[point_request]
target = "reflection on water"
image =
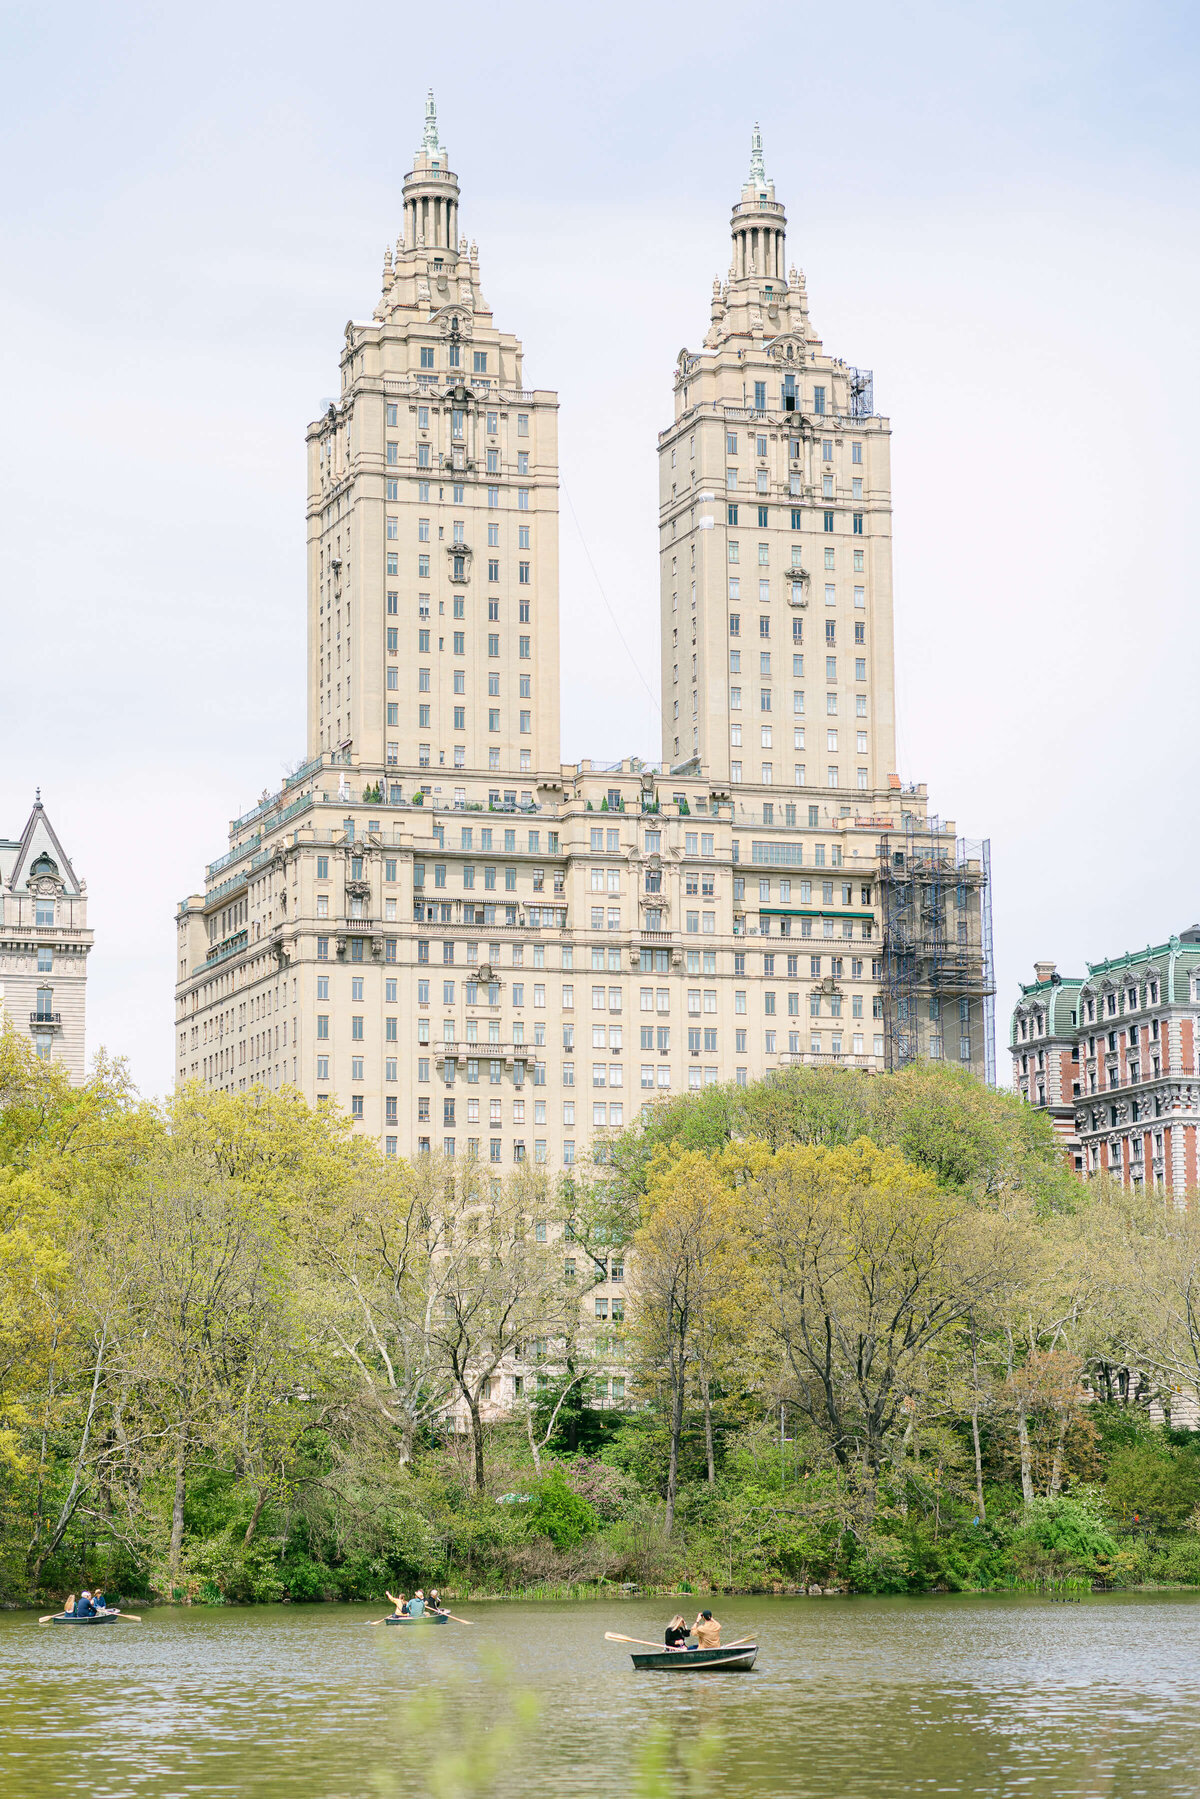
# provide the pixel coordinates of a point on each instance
(993, 1696)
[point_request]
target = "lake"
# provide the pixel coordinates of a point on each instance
(994, 1696)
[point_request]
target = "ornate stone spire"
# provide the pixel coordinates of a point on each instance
(758, 169)
(431, 135)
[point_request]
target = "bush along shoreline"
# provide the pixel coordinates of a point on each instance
(831, 1333)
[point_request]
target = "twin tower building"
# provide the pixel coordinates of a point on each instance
(477, 950)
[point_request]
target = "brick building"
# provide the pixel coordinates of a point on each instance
(1112, 1057)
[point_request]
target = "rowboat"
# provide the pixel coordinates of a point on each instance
(738, 1659)
(422, 1618)
(96, 1618)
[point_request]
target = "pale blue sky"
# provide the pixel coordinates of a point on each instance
(996, 209)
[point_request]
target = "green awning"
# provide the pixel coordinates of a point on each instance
(805, 912)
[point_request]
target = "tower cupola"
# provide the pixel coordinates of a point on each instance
(759, 224)
(431, 192)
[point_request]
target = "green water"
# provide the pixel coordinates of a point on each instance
(995, 1697)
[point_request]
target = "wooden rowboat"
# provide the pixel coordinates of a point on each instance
(96, 1618)
(738, 1659)
(422, 1618)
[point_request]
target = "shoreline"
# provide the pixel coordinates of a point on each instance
(1057, 1592)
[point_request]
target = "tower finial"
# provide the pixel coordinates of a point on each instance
(431, 135)
(758, 171)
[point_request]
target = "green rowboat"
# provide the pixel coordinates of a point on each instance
(739, 1659)
(421, 1618)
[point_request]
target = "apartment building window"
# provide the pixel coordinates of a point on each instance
(858, 524)
(819, 400)
(828, 518)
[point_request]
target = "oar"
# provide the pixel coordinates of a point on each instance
(612, 1636)
(50, 1617)
(378, 1620)
(128, 1618)
(457, 1620)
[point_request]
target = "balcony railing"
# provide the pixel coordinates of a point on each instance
(46, 1021)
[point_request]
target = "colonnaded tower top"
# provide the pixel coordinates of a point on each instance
(775, 540)
(433, 524)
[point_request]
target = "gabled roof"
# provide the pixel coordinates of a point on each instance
(37, 850)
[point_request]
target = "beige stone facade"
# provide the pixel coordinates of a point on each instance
(44, 943)
(775, 522)
(475, 949)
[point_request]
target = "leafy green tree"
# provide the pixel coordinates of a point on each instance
(864, 1265)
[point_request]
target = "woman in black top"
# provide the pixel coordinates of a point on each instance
(677, 1633)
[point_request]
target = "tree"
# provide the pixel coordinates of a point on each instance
(500, 1281)
(864, 1264)
(685, 1272)
(209, 1357)
(375, 1251)
(1162, 1260)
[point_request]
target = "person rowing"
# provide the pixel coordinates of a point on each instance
(434, 1603)
(400, 1603)
(677, 1633)
(86, 1606)
(708, 1631)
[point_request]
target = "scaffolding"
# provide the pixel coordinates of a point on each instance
(936, 977)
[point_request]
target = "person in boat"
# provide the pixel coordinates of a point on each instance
(677, 1633)
(86, 1605)
(400, 1603)
(68, 1610)
(708, 1631)
(416, 1605)
(434, 1603)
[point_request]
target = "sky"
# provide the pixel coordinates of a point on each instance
(996, 209)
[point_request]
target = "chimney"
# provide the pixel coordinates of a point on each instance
(1044, 970)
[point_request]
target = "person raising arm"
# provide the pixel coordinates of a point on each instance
(708, 1631)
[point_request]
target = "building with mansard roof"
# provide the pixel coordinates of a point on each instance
(44, 942)
(1114, 1057)
(478, 950)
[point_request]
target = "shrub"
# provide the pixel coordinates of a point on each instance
(560, 1514)
(1180, 1561)
(1160, 1484)
(1056, 1538)
(882, 1566)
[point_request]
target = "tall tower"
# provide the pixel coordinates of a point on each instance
(476, 951)
(433, 524)
(775, 535)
